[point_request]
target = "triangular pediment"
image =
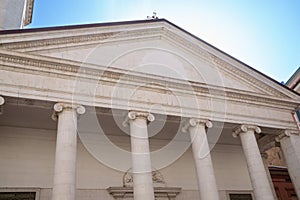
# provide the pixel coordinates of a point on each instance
(155, 47)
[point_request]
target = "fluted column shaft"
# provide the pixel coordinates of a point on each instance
(205, 172)
(290, 145)
(258, 175)
(141, 161)
(64, 183)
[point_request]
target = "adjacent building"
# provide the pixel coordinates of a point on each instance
(15, 14)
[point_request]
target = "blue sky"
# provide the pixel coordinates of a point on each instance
(264, 34)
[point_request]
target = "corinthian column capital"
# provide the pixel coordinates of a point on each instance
(244, 129)
(60, 107)
(194, 122)
(132, 115)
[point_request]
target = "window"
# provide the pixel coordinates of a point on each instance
(240, 196)
(17, 195)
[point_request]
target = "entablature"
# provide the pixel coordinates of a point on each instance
(45, 66)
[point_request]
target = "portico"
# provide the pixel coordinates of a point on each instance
(206, 173)
(169, 89)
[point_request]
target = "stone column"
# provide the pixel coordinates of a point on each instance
(205, 172)
(290, 145)
(258, 175)
(141, 161)
(64, 184)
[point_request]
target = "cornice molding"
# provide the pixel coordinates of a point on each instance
(77, 40)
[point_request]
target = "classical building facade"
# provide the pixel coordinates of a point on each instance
(140, 109)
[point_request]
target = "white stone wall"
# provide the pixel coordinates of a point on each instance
(27, 157)
(12, 13)
(27, 160)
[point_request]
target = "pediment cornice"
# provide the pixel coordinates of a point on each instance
(210, 54)
(160, 30)
(61, 41)
(70, 69)
(254, 82)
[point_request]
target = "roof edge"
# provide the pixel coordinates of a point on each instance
(77, 26)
